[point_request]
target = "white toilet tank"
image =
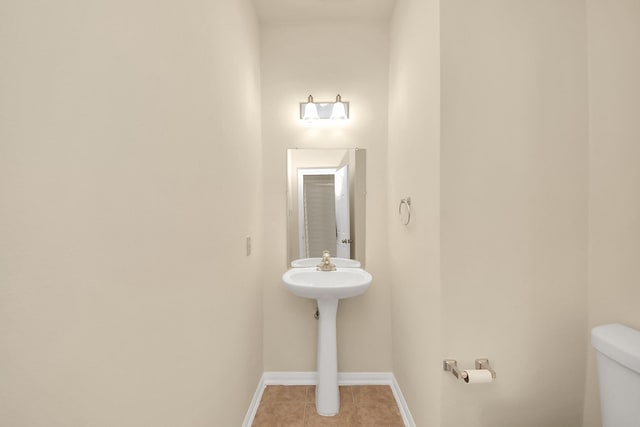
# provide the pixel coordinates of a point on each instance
(618, 353)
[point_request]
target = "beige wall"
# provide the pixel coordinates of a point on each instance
(514, 200)
(414, 170)
(512, 185)
(614, 173)
(323, 60)
(130, 165)
(130, 169)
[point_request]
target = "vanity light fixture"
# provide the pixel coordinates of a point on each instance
(311, 110)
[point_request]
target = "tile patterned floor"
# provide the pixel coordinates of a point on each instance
(360, 406)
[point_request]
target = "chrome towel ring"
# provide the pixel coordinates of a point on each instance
(405, 213)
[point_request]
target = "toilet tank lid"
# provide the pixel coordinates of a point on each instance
(618, 342)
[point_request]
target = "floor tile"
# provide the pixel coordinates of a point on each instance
(378, 414)
(373, 395)
(347, 417)
(280, 415)
(285, 393)
(360, 406)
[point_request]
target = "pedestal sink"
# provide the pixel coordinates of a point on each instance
(327, 287)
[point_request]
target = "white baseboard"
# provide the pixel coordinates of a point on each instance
(402, 404)
(289, 378)
(344, 378)
(255, 402)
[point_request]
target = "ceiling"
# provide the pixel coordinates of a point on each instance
(297, 11)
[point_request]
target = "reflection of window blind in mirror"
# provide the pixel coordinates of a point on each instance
(319, 213)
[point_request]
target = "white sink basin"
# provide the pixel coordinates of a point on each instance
(340, 283)
(312, 262)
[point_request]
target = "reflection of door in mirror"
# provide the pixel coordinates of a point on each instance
(343, 225)
(326, 201)
(323, 212)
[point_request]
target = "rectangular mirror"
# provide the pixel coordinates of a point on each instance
(326, 203)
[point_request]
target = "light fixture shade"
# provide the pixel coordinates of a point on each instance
(310, 110)
(339, 112)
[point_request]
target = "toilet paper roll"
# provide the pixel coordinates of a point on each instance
(478, 376)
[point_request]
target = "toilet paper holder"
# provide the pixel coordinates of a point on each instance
(451, 365)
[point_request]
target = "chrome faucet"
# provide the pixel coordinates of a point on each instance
(325, 264)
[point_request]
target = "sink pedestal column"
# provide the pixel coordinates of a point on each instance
(327, 393)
